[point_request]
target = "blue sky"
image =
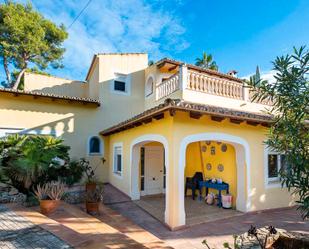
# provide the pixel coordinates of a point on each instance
(239, 34)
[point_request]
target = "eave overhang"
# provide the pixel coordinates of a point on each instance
(53, 97)
(195, 111)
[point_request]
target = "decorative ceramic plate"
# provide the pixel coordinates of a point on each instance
(204, 148)
(208, 166)
(224, 148)
(220, 167)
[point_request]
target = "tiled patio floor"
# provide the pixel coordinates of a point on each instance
(80, 230)
(197, 212)
(215, 232)
(123, 224)
(16, 232)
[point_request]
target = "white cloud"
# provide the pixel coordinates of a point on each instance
(269, 76)
(113, 26)
(265, 75)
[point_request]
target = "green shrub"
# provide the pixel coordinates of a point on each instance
(29, 160)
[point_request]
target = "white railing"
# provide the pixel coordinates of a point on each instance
(168, 86)
(213, 85)
(202, 82)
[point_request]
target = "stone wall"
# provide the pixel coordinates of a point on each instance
(10, 194)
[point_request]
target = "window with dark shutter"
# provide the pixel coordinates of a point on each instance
(119, 86)
(94, 145)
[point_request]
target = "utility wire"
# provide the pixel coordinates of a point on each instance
(79, 14)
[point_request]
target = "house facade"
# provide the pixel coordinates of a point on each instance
(155, 125)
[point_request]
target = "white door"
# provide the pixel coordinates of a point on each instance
(154, 165)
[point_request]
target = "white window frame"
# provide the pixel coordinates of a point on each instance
(121, 77)
(147, 95)
(100, 153)
(115, 171)
(272, 182)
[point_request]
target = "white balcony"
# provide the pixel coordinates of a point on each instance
(200, 87)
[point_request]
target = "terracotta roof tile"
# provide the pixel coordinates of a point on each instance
(49, 95)
(180, 105)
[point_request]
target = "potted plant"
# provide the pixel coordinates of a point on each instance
(91, 181)
(49, 196)
(93, 199)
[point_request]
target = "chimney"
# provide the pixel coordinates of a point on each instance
(232, 73)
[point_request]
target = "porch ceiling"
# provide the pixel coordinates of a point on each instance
(195, 110)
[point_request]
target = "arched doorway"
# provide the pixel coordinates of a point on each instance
(149, 161)
(242, 158)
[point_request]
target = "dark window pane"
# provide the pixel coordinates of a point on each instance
(119, 86)
(94, 145)
(119, 163)
(272, 166)
(142, 183)
(142, 161)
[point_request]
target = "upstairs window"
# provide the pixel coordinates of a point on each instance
(121, 84)
(149, 86)
(94, 146)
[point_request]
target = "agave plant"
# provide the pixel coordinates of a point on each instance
(50, 191)
(41, 192)
(55, 190)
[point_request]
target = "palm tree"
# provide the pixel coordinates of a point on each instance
(25, 159)
(206, 62)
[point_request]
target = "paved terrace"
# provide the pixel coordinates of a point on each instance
(79, 230)
(18, 232)
(123, 224)
(215, 232)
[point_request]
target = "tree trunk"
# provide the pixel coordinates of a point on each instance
(7, 71)
(16, 84)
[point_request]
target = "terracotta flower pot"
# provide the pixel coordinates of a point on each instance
(91, 186)
(92, 207)
(48, 206)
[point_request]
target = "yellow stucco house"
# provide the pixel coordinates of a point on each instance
(155, 125)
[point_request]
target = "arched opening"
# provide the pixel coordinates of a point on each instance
(219, 156)
(149, 86)
(148, 174)
(212, 162)
(94, 146)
